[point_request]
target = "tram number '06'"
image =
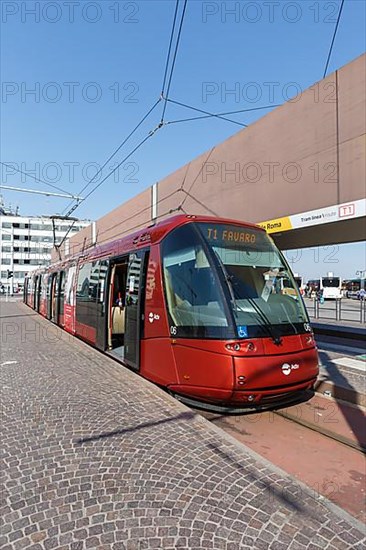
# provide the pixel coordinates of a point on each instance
(173, 331)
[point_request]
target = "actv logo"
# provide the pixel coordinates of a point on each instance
(286, 368)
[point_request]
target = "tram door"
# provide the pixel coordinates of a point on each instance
(55, 297)
(51, 296)
(58, 310)
(37, 291)
(135, 291)
(102, 305)
(61, 299)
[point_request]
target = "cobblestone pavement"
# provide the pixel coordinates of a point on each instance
(93, 456)
(340, 375)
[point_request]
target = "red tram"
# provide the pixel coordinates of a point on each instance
(194, 304)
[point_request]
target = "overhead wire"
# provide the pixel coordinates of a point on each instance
(166, 95)
(142, 224)
(132, 217)
(187, 193)
(150, 134)
(146, 208)
(163, 199)
(116, 150)
(169, 48)
(57, 246)
(141, 211)
(223, 114)
(179, 207)
(35, 178)
(333, 39)
(75, 206)
(206, 112)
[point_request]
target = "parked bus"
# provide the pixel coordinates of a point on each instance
(331, 287)
(355, 288)
(191, 304)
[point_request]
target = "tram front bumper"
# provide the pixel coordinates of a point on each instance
(271, 375)
(272, 396)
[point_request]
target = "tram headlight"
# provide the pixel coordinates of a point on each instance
(233, 347)
(245, 346)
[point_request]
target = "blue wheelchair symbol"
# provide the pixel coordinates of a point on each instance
(242, 331)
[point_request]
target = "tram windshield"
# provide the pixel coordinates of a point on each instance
(196, 304)
(229, 281)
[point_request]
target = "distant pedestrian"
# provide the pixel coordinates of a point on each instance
(320, 296)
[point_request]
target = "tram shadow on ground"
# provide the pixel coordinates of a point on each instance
(183, 416)
(302, 397)
(354, 415)
(19, 315)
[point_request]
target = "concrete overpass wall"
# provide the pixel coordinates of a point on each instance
(304, 155)
(352, 121)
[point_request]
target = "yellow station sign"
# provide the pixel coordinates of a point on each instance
(277, 225)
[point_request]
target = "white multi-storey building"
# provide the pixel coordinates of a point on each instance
(26, 244)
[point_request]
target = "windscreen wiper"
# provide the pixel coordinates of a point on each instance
(266, 323)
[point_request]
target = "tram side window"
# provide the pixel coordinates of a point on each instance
(26, 290)
(49, 284)
(42, 287)
(88, 282)
(29, 289)
(86, 294)
(94, 280)
(62, 288)
(103, 271)
(194, 301)
(69, 286)
(82, 291)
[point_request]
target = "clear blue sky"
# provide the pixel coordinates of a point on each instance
(97, 67)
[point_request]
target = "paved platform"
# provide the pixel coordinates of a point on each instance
(355, 333)
(93, 456)
(328, 460)
(342, 374)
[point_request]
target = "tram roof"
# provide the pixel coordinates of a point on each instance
(151, 234)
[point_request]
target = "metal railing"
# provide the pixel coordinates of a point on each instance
(338, 310)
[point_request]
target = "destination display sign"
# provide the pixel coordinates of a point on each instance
(233, 236)
(228, 233)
